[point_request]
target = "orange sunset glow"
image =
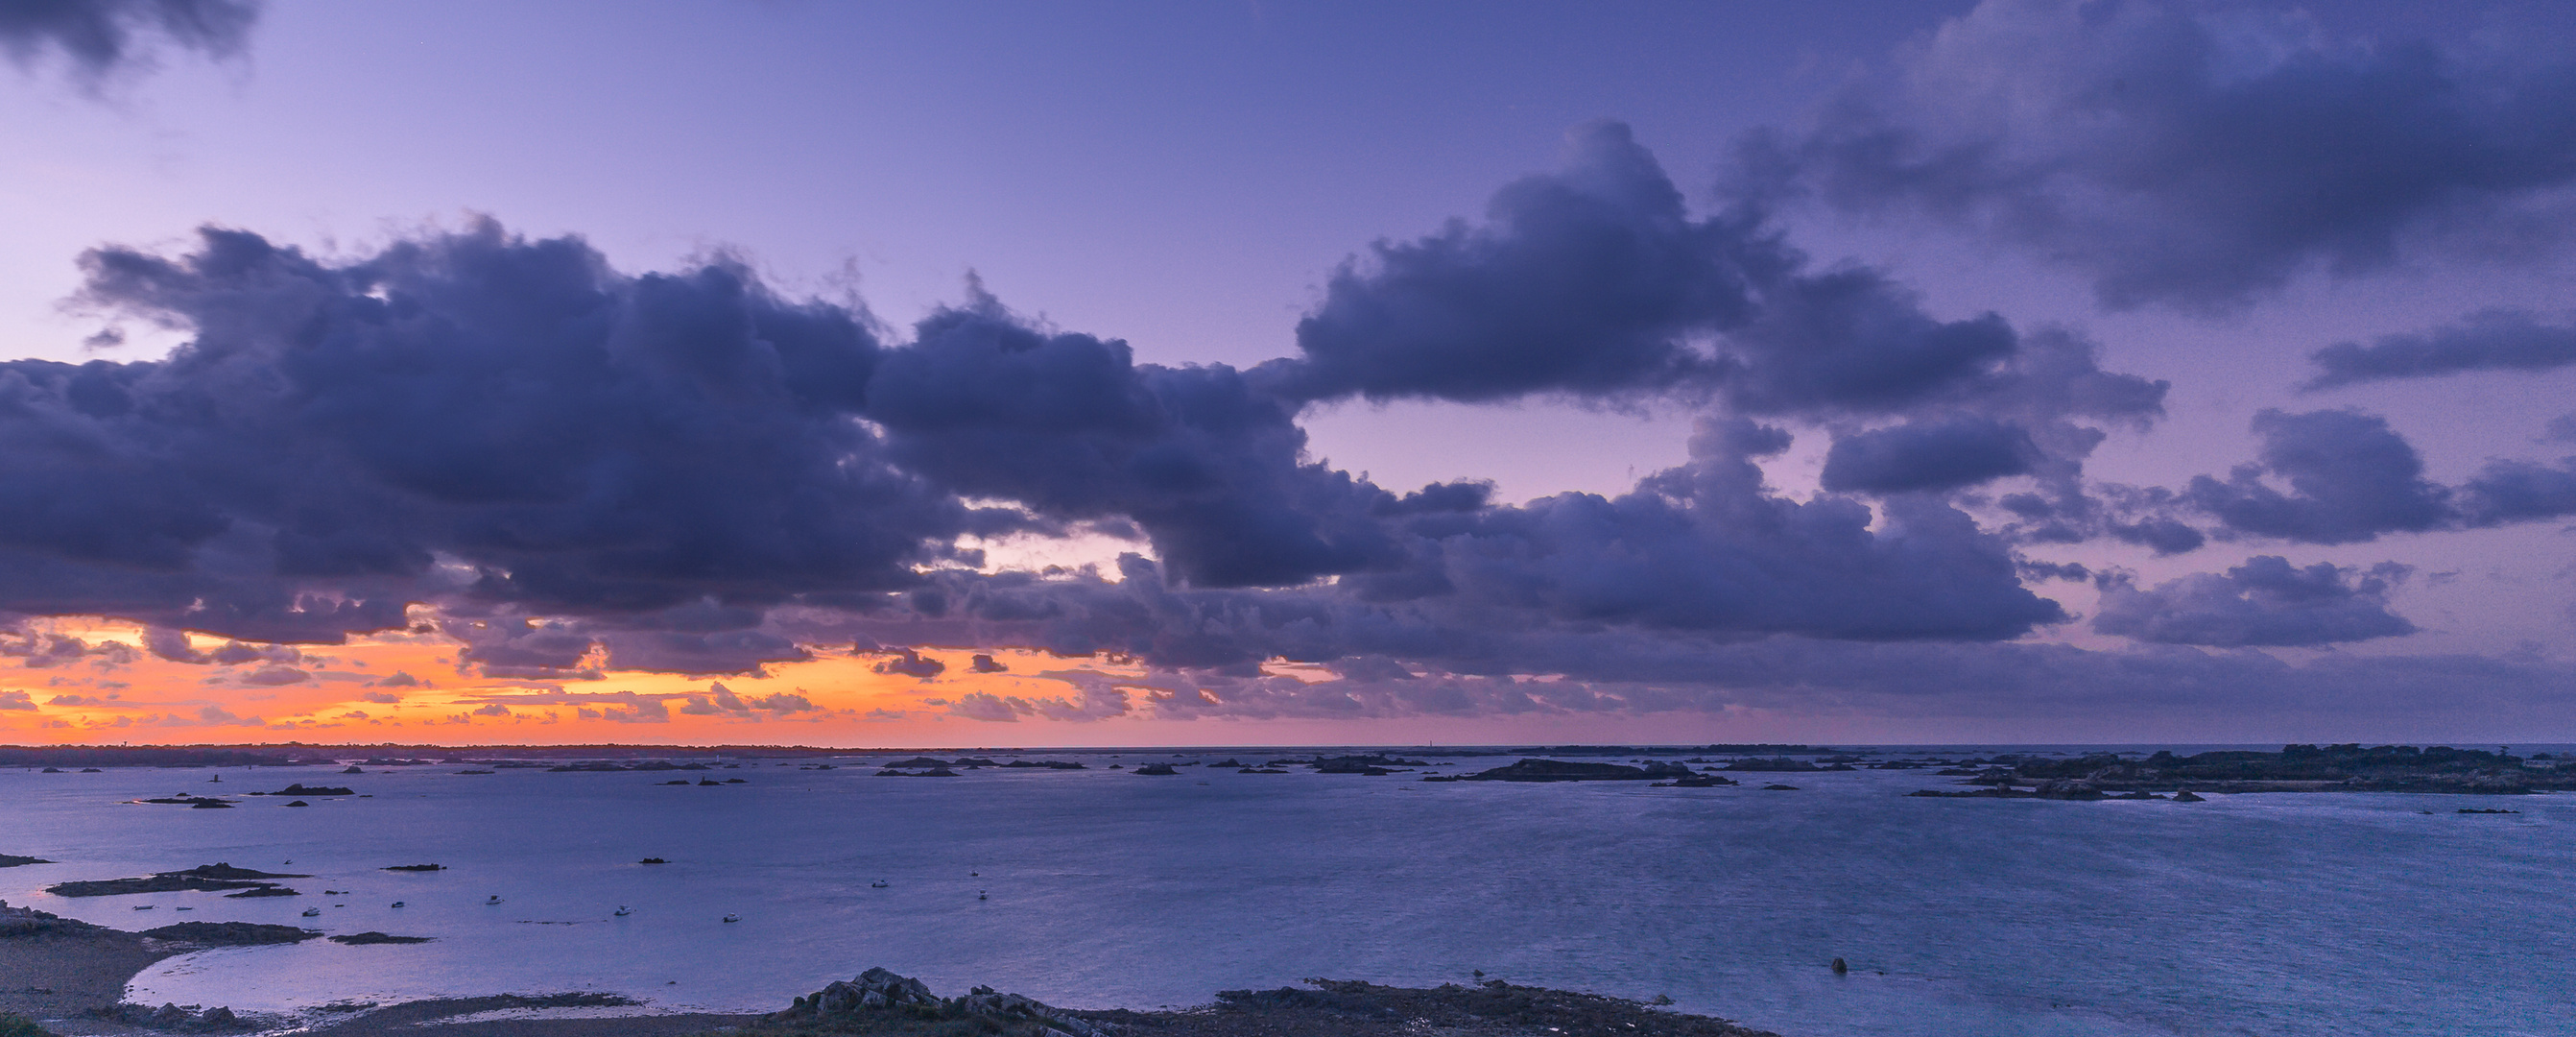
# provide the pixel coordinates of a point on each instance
(75, 679)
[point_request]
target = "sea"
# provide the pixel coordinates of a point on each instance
(2267, 914)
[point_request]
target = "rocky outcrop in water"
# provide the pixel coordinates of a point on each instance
(372, 937)
(231, 934)
(881, 994)
(1563, 770)
(204, 877)
(12, 860)
(301, 789)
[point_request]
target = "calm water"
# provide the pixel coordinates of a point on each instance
(2279, 914)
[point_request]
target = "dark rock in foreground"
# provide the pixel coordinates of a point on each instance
(879, 995)
(231, 934)
(176, 1019)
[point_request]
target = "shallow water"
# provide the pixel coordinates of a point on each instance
(2268, 914)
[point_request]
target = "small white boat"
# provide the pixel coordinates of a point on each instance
(312, 912)
(733, 918)
(979, 894)
(494, 899)
(623, 910)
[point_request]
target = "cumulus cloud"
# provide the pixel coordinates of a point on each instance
(2266, 601)
(2490, 340)
(722, 701)
(2508, 491)
(1099, 698)
(99, 38)
(633, 709)
(16, 700)
(2192, 154)
(1929, 455)
(2351, 479)
(39, 650)
(383, 697)
(909, 663)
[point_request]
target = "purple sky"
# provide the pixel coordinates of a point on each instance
(2001, 371)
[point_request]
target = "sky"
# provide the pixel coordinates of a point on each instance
(990, 374)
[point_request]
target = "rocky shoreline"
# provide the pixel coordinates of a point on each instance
(880, 1003)
(64, 977)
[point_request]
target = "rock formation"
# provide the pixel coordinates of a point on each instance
(879, 992)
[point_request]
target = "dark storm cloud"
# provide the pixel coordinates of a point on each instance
(1201, 459)
(2492, 340)
(101, 37)
(2265, 601)
(2351, 479)
(468, 415)
(2185, 154)
(584, 470)
(1929, 455)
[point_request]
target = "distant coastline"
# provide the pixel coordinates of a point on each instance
(2131, 773)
